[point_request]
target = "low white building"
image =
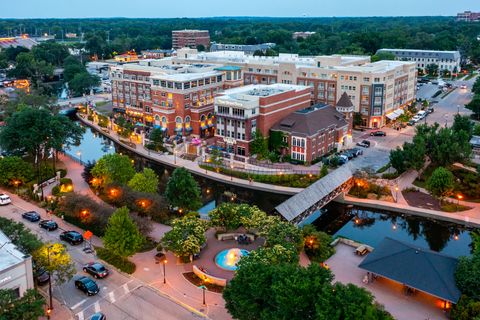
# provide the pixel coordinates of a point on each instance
(16, 272)
(445, 60)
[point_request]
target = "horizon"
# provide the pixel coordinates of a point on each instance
(151, 9)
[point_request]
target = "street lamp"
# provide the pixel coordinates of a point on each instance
(50, 308)
(396, 193)
(16, 183)
(79, 154)
(174, 156)
(164, 274)
(231, 172)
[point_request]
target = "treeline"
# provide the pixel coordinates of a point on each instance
(333, 35)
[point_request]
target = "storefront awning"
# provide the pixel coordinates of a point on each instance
(392, 116)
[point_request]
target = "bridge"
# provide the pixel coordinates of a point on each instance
(306, 206)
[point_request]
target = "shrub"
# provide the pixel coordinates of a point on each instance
(63, 172)
(56, 191)
(65, 181)
(390, 176)
(115, 260)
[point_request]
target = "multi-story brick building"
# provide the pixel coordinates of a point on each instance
(468, 16)
(376, 89)
(190, 38)
(176, 98)
(313, 132)
(240, 112)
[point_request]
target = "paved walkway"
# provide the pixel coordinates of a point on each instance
(174, 161)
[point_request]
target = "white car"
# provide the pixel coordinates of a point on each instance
(416, 118)
(4, 199)
(463, 86)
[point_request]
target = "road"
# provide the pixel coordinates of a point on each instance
(445, 109)
(121, 297)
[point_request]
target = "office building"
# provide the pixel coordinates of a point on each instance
(16, 271)
(156, 54)
(190, 38)
(468, 16)
(302, 34)
(245, 48)
(242, 111)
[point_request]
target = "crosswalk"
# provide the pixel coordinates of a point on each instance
(106, 300)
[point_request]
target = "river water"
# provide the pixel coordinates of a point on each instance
(363, 225)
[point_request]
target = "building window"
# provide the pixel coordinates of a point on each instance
(241, 151)
(223, 110)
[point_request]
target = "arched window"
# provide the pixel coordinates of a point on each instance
(187, 120)
(202, 118)
(178, 121)
(157, 117)
(164, 122)
(209, 116)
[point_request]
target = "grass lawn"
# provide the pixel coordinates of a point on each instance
(470, 76)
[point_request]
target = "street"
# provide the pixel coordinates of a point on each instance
(377, 155)
(120, 297)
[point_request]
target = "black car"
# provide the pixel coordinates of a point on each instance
(31, 216)
(41, 276)
(98, 316)
(50, 225)
(378, 133)
(96, 269)
(87, 285)
(356, 151)
(72, 237)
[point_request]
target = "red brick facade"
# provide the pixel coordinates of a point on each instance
(190, 38)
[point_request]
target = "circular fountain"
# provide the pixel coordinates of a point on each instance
(227, 259)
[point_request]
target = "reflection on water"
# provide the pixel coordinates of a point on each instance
(371, 227)
(92, 147)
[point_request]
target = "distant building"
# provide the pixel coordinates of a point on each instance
(445, 60)
(15, 268)
(157, 54)
(70, 35)
(232, 76)
(23, 41)
(246, 48)
(468, 16)
(315, 131)
(302, 34)
(242, 111)
(130, 56)
(190, 38)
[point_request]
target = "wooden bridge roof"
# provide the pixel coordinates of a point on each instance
(304, 200)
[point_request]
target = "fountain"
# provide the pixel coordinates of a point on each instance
(227, 259)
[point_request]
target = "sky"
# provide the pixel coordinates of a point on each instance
(213, 8)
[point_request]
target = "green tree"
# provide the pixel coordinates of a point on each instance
(357, 119)
(272, 255)
(21, 237)
(397, 160)
(28, 307)
(317, 244)
(27, 67)
(259, 145)
(228, 216)
(83, 82)
(186, 237)
(441, 182)
(467, 276)
(466, 309)
(122, 236)
(55, 259)
(216, 157)
(474, 105)
(276, 141)
(476, 86)
(282, 233)
(183, 191)
(71, 67)
(383, 56)
(51, 52)
(14, 169)
(323, 171)
(146, 181)
(462, 123)
(113, 168)
(156, 139)
(432, 69)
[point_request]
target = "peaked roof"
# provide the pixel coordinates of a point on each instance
(312, 120)
(345, 101)
(422, 269)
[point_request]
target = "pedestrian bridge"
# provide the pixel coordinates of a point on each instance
(308, 203)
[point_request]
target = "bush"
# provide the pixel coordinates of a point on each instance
(390, 176)
(65, 181)
(56, 191)
(115, 260)
(63, 172)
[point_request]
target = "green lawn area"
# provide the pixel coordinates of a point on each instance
(470, 76)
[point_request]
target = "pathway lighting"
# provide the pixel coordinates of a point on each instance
(164, 277)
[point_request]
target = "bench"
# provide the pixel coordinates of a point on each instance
(234, 236)
(361, 250)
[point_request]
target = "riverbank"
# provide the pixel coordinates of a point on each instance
(193, 167)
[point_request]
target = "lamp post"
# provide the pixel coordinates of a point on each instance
(174, 156)
(164, 274)
(396, 194)
(231, 172)
(79, 154)
(50, 308)
(16, 183)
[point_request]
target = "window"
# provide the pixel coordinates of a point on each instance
(178, 85)
(238, 112)
(241, 151)
(223, 110)
(254, 111)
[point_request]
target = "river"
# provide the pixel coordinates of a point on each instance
(363, 225)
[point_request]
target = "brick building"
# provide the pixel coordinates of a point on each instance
(190, 38)
(375, 89)
(468, 16)
(176, 98)
(240, 112)
(312, 132)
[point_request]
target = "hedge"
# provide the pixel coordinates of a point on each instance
(115, 260)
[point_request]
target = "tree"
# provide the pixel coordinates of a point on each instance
(156, 139)
(21, 237)
(55, 259)
(317, 244)
(432, 69)
(357, 119)
(121, 235)
(474, 105)
(186, 237)
(230, 216)
(397, 160)
(476, 86)
(28, 307)
(276, 141)
(440, 183)
(259, 145)
(282, 233)
(71, 67)
(28, 67)
(15, 169)
(146, 181)
(216, 157)
(113, 168)
(51, 52)
(323, 171)
(466, 309)
(383, 56)
(83, 82)
(183, 191)
(467, 276)
(272, 255)
(462, 123)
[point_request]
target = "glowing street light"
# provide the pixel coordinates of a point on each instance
(164, 274)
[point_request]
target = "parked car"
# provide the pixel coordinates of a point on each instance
(41, 276)
(411, 122)
(347, 154)
(364, 144)
(4, 199)
(357, 151)
(378, 133)
(31, 216)
(463, 86)
(72, 237)
(98, 316)
(430, 110)
(416, 118)
(50, 225)
(87, 285)
(342, 160)
(96, 269)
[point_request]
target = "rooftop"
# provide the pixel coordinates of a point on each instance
(188, 76)
(423, 53)
(9, 254)
(418, 268)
